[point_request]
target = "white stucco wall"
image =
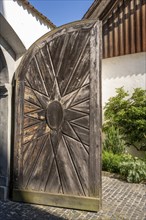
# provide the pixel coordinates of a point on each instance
(11, 62)
(128, 71)
(27, 26)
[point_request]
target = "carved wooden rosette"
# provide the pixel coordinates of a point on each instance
(58, 119)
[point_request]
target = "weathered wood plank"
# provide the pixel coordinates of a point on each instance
(18, 135)
(53, 102)
(138, 26)
(46, 71)
(83, 121)
(32, 156)
(37, 114)
(68, 99)
(110, 38)
(31, 97)
(69, 178)
(35, 131)
(45, 176)
(121, 30)
(29, 107)
(82, 133)
(95, 112)
(81, 66)
(81, 96)
(78, 95)
(34, 77)
(59, 200)
(57, 48)
(131, 30)
(105, 40)
(53, 184)
(70, 114)
(116, 37)
(144, 25)
(127, 29)
(81, 107)
(68, 130)
(30, 121)
(80, 162)
(67, 73)
(132, 25)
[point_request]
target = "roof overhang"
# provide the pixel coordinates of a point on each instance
(38, 15)
(100, 9)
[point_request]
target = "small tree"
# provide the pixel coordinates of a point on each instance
(128, 114)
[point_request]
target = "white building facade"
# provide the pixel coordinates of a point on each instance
(124, 44)
(128, 71)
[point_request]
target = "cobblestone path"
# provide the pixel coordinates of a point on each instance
(121, 201)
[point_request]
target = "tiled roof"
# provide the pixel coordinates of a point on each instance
(39, 15)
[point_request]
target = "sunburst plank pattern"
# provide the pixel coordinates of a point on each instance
(56, 157)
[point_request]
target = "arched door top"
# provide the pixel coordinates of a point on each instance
(58, 119)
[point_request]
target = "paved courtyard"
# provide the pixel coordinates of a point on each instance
(121, 201)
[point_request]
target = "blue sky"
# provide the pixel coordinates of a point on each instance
(62, 11)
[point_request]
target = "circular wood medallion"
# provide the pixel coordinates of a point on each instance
(54, 115)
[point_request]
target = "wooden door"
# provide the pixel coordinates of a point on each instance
(58, 119)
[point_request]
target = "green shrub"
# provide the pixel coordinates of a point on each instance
(133, 170)
(113, 141)
(111, 162)
(128, 114)
(130, 168)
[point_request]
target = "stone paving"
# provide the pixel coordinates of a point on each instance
(121, 201)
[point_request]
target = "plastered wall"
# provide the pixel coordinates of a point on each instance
(128, 71)
(26, 25)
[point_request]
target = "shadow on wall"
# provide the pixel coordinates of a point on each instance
(1, 7)
(124, 66)
(3, 127)
(30, 11)
(3, 92)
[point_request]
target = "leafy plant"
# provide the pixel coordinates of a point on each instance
(128, 114)
(130, 168)
(133, 171)
(111, 162)
(113, 141)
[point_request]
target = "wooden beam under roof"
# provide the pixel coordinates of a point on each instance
(97, 9)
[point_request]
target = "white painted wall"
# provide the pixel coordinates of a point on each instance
(128, 71)
(27, 26)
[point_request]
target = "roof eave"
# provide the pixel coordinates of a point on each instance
(39, 15)
(99, 9)
(91, 9)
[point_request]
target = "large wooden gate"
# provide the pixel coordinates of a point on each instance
(58, 119)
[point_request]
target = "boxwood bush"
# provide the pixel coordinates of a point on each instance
(127, 114)
(132, 169)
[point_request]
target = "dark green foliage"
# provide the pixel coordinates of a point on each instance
(113, 141)
(111, 162)
(130, 168)
(128, 115)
